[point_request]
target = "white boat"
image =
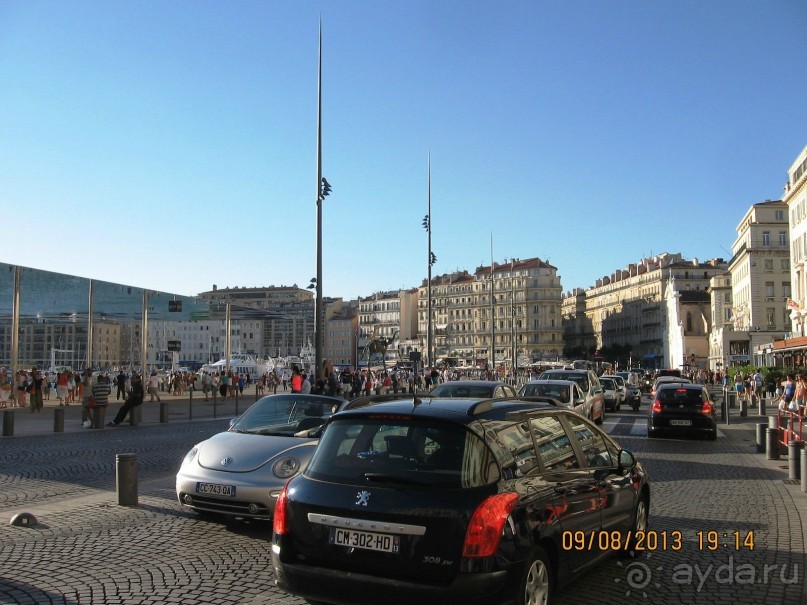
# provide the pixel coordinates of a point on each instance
(242, 363)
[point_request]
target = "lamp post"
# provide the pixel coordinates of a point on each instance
(431, 259)
(323, 190)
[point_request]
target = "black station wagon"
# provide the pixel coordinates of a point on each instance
(454, 501)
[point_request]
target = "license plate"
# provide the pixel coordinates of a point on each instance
(365, 539)
(680, 423)
(215, 489)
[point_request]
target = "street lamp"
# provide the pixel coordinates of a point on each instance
(323, 190)
(431, 259)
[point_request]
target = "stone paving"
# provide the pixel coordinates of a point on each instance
(87, 549)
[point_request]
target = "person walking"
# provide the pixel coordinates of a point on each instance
(34, 389)
(154, 386)
(134, 399)
(100, 395)
(296, 380)
(120, 382)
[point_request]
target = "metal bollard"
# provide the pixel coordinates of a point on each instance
(99, 416)
(135, 415)
(743, 408)
(761, 437)
(163, 411)
(773, 422)
(236, 401)
(773, 444)
(126, 479)
(58, 420)
(8, 423)
(794, 449)
(725, 411)
(804, 469)
(761, 406)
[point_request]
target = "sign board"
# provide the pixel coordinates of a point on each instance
(414, 356)
(174, 345)
(174, 306)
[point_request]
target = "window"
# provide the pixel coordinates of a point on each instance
(553, 444)
(771, 313)
(595, 452)
(786, 289)
(783, 239)
(769, 265)
(768, 289)
(766, 238)
(780, 215)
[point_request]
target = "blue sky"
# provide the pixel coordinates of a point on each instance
(172, 145)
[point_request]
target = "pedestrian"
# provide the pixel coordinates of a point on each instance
(5, 388)
(120, 382)
(758, 382)
(223, 384)
(305, 387)
(100, 394)
(134, 399)
(296, 380)
(154, 386)
(61, 387)
(87, 402)
(34, 389)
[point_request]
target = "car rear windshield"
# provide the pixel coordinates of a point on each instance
(558, 391)
(451, 390)
(580, 378)
(362, 450)
(680, 396)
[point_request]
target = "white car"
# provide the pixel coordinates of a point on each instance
(623, 388)
(567, 393)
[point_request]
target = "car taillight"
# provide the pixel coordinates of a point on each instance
(485, 528)
(706, 408)
(279, 519)
(657, 406)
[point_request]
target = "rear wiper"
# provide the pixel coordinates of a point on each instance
(382, 478)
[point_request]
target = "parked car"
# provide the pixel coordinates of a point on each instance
(683, 409)
(479, 389)
(457, 501)
(611, 395)
(240, 472)
(590, 386)
(566, 392)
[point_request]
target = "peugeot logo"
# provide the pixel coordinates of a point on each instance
(362, 498)
(226, 461)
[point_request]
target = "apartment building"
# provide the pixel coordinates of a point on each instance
(627, 314)
(498, 313)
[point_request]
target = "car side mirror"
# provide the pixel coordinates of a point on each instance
(579, 401)
(626, 460)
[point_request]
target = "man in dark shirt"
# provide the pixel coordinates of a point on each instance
(135, 398)
(120, 381)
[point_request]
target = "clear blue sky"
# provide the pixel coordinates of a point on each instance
(172, 145)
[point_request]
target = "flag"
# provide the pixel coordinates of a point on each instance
(792, 304)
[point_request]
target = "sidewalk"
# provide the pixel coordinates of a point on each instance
(190, 406)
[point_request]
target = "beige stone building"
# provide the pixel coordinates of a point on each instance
(651, 313)
(509, 311)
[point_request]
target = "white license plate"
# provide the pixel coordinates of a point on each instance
(680, 423)
(365, 539)
(215, 489)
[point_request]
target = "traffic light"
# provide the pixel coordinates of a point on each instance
(432, 258)
(426, 222)
(325, 188)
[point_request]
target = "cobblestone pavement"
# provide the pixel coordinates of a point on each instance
(86, 549)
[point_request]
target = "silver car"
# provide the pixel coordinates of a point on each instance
(567, 393)
(241, 471)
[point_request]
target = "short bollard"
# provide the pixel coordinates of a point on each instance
(773, 422)
(135, 415)
(761, 437)
(8, 423)
(126, 479)
(794, 449)
(725, 411)
(804, 469)
(773, 444)
(163, 411)
(743, 408)
(58, 420)
(761, 406)
(99, 417)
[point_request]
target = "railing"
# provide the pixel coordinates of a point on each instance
(791, 427)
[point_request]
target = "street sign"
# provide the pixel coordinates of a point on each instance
(174, 306)
(174, 345)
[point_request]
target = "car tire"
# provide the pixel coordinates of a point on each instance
(641, 516)
(651, 433)
(538, 580)
(712, 436)
(618, 406)
(601, 417)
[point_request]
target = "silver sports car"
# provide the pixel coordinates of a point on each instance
(241, 471)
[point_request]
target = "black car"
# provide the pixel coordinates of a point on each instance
(682, 409)
(476, 389)
(454, 501)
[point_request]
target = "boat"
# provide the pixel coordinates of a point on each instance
(241, 363)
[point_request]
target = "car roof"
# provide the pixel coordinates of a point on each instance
(679, 385)
(552, 381)
(475, 383)
(455, 409)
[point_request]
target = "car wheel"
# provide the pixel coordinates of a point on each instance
(601, 416)
(536, 585)
(640, 524)
(712, 436)
(651, 433)
(618, 406)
